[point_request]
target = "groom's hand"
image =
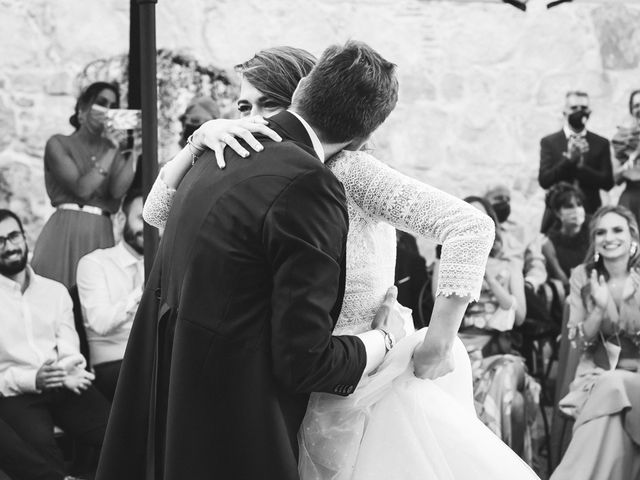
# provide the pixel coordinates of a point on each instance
(388, 317)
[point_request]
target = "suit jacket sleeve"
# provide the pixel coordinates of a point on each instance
(602, 175)
(305, 233)
(553, 169)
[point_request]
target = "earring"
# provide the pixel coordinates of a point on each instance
(596, 257)
(633, 249)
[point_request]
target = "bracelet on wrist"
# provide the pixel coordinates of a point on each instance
(195, 151)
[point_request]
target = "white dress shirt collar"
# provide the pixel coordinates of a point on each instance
(9, 284)
(124, 257)
(568, 132)
(315, 141)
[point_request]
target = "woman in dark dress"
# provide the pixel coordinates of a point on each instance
(86, 175)
(567, 242)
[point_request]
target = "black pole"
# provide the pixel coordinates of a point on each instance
(149, 104)
(133, 95)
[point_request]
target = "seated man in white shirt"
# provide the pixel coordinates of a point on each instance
(42, 377)
(110, 282)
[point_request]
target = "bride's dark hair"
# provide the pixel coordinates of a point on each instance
(276, 72)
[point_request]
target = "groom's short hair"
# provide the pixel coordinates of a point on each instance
(349, 93)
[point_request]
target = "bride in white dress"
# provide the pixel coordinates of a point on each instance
(395, 425)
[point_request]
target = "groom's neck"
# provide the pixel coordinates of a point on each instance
(330, 148)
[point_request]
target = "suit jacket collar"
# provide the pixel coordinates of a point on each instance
(292, 128)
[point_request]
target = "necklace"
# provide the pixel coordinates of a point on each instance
(91, 153)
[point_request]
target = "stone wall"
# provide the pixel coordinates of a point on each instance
(480, 82)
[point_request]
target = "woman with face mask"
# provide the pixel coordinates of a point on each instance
(86, 174)
(604, 325)
(566, 243)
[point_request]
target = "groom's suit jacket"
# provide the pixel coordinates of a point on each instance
(234, 328)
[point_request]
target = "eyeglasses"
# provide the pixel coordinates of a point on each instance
(14, 237)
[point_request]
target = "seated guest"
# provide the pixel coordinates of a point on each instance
(42, 375)
(604, 323)
(527, 252)
(515, 244)
(20, 460)
(506, 396)
(566, 243)
(110, 284)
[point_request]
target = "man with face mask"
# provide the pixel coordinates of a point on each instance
(575, 155)
(199, 110)
(110, 284)
(523, 250)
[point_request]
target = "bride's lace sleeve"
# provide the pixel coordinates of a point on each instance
(158, 203)
(465, 233)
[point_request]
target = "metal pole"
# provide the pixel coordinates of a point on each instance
(149, 105)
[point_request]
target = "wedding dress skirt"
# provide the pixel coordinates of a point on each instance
(397, 426)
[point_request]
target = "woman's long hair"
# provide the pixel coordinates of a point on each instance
(277, 71)
(88, 96)
(634, 257)
(496, 249)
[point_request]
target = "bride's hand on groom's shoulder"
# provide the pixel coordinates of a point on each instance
(432, 360)
(220, 133)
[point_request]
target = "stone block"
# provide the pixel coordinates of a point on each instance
(618, 35)
(553, 86)
(60, 83)
(7, 126)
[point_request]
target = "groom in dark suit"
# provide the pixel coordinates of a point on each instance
(577, 156)
(234, 328)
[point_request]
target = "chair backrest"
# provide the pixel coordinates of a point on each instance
(562, 425)
(568, 359)
(79, 323)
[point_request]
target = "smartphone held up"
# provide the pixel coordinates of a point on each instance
(121, 118)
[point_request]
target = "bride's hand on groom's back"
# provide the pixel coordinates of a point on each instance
(389, 316)
(220, 133)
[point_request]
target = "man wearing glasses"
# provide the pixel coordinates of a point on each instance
(575, 155)
(42, 377)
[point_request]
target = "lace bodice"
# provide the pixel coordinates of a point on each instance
(380, 199)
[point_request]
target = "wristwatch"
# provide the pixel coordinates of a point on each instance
(389, 339)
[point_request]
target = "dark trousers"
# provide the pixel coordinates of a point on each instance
(33, 416)
(21, 461)
(107, 378)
